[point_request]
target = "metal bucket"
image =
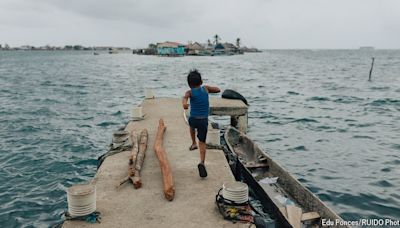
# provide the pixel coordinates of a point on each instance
(81, 199)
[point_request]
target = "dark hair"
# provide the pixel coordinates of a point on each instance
(194, 78)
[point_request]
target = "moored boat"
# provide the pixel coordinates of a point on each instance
(299, 206)
(112, 51)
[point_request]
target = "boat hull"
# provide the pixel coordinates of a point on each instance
(248, 152)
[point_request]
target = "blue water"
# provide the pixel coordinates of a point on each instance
(312, 110)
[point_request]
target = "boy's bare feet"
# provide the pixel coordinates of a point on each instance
(193, 147)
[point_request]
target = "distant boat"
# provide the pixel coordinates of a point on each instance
(367, 48)
(96, 53)
(112, 51)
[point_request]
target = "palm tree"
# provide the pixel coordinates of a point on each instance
(238, 42)
(209, 43)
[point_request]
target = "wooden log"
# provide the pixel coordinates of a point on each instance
(169, 191)
(133, 156)
(137, 182)
(132, 161)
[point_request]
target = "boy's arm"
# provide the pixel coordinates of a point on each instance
(185, 100)
(212, 89)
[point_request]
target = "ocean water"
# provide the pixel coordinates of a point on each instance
(314, 111)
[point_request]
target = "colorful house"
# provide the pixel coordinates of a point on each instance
(170, 49)
(196, 49)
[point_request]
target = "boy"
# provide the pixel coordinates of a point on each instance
(198, 120)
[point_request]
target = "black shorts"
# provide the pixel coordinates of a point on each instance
(201, 125)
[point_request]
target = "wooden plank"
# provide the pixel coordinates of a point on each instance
(310, 216)
(294, 216)
(283, 211)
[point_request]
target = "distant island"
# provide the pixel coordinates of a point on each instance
(7, 47)
(209, 48)
(367, 48)
(168, 48)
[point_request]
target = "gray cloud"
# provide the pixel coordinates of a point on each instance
(152, 13)
(261, 23)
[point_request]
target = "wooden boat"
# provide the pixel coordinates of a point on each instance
(112, 51)
(301, 208)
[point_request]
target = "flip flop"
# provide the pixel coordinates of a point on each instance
(202, 170)
(192, 147)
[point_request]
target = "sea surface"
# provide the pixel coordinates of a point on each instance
(314, 111)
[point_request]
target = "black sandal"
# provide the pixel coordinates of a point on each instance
(193, 147)
(202, 170)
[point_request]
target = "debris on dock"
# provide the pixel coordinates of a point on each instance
(194, 198)
(169, 191)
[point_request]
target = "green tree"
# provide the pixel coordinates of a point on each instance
(238, 42)
(152, 46)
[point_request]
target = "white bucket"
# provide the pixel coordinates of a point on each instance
(136, 112)
(235, 191)
(148, 93)
(213, 137)
(81, 199)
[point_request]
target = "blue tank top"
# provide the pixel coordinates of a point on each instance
(199, 104)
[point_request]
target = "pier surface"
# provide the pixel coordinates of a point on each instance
(194, 203)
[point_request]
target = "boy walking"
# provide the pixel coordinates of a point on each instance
(199, 108)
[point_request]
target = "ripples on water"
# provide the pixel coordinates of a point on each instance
(314, 111)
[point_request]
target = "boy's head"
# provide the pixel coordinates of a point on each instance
(194, 79)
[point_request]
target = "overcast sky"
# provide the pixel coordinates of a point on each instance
(272, 24)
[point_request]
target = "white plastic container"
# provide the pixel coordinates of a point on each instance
(136, 112)
(81, 199)
(235, 191)
(148, 93)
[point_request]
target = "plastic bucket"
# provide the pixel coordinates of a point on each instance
(148, 93)
(236, 191)
(136, 112)
(81, 199)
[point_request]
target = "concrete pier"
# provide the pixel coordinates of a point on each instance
(236, 109)
(194, 203)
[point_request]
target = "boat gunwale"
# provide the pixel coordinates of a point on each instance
(294, 188)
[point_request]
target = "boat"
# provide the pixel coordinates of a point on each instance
(232, 94)
(275, 186)
(96, 53)
(112, 51)
(367, 48)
